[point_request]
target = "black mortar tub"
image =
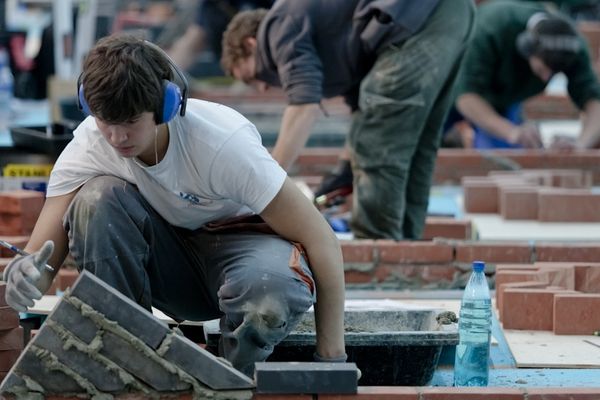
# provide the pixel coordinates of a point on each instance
(397, 346)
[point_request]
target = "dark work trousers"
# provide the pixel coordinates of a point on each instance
(258, 284)
(396, 131)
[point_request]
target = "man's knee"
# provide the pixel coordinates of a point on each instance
(98, 196)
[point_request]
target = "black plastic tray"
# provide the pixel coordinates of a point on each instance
(398, 347)
(49, 139)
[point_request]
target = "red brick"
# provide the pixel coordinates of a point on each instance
(518, 203)
(480, 195)
(449, 228)
(66, 278)
(575, 252)
(528, 309)
(8, 358)
(377, 393)
(416, 276)
(512, 276)
(9, 318)
(282, 397)
(515, 285)
(358, 251)
(358, 277)
(563, 393)
(576, 314)
(587, 278)
(491, 252)
(21, 202)
(568, 206)
(12, 224)
(2, 293)
(471, 393)
(12, 339)
(18, 241)
(3, 263)
(516, 267)
(406, 252)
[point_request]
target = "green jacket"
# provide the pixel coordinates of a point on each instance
(494, 69)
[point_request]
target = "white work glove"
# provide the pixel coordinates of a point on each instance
(21, 275)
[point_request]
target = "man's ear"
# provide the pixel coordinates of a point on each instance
(250, 44)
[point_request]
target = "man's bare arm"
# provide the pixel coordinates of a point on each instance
(296, 126)
(292, 216)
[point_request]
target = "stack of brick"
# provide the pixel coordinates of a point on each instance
(544, 195)
(446, 264)
(19, 210)
(559, 297)
(11, 335)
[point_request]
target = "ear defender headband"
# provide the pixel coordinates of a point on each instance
(530, 42)
(174, 98)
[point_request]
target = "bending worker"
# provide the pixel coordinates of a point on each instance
(394, 61)
(517, 47)
(144, 196)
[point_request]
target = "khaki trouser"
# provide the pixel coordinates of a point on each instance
(395, 134)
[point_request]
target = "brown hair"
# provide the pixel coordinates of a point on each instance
(123, 77)
(243, 25)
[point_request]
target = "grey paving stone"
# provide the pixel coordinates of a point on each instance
(306, 377)
(94, 371)
(137, 363)
(117, 307)
(10, 383)
(204, 366)
(53, 381)
(67, 315)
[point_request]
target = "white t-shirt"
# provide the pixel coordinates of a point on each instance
(215, 167)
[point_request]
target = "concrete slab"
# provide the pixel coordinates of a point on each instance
(214, 372)
(81, 350)
(306, 377)
(117, 307)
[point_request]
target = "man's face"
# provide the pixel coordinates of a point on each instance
(131, 139)
(540, 69)
(245, 70)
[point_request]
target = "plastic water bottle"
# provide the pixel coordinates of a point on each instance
(6, 89)
(471, 366)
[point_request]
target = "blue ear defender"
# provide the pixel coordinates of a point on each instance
(174, 97)
(529, 42)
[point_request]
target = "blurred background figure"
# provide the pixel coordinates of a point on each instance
(203, 36)
(518, 46)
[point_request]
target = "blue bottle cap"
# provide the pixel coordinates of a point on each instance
(478, 266)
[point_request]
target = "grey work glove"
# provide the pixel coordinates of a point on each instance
(21, 275)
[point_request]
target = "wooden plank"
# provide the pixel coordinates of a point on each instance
(544, 349)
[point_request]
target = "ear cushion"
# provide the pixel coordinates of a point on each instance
(171, 101)
(81, 103)
(526, 44)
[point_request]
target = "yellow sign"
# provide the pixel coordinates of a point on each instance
(25, 170)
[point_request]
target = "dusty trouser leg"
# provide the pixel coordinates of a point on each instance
(396, 100)
(265, 287)
(115, 234)
(423, 161)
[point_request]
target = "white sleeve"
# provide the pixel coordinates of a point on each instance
(245, 172)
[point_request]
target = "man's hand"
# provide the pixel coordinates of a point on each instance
(563, 143)
(526, 135)
(21, 275)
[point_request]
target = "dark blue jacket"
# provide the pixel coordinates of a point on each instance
(323, 48)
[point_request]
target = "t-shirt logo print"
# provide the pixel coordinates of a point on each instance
(192, 198)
